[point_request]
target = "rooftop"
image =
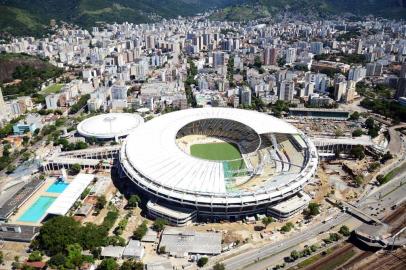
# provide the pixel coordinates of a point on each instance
(110, 125)
(180, 242)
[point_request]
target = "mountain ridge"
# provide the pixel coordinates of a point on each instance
(22, 17)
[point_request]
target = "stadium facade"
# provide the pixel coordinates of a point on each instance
(276, 162)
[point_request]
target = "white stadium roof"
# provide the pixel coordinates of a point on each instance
(152, 150)
(109, 126)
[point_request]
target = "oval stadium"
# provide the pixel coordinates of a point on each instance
(216, 163)
(110, 125)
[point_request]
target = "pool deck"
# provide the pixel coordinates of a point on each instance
(42, 191)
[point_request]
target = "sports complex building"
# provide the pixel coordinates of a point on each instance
(217, 163)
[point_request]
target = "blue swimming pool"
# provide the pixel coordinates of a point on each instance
(58, 187)
(37, 209)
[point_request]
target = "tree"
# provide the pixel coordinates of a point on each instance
(202, 261)
(312, 209)
(57, 233)
(334, 237)
(267, 220)
(35, 256)
(1, 257)
(287, 227)
(373, 166)
(370, 123)
(159, 224)
(358, 152)
(219, 266)
(357, 133)
(358, 180)
(314, 247)
(57, 261)
(381, 179)
(140, 231)
(294, 255)
(344, 230)
(385, 157)
(75, 257)
(132, 265)
(75, 169)
(354, 116)
(133, 201)
(108, 264)
(101, 202)
(338, 132)
(162, 250)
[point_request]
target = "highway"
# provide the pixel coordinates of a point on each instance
(375, 203)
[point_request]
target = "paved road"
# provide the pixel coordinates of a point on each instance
(373, 204)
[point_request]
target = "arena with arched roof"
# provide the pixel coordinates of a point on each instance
(275, 161)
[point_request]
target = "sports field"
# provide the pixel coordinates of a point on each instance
(219, 151)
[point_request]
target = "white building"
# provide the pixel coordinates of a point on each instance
(286, 90)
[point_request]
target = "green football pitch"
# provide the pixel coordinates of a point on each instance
(219, 151)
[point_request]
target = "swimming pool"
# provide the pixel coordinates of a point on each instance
(37, 209)
(57, 187)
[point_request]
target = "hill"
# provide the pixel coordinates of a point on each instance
(22, 17)
(386, 8)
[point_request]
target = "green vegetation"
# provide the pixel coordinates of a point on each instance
(373, 166)
(162, 250)
(338, 260)
(66, 146)
(141, 230)
(352, 34)
(357, 133)
(133, 201)
(344, 230)
(219, 151)
(57, 234)
(287, 227)
(55, 88)
(35, 256)
(202, 261)
(31, 70)
(219, 266)
(373, 128)
(358, 180)
(387, 108)
(355, 116)
(343, 57)
(75, 169)
(230, 71)
(132, 265)
(101, 203)
(159, 224)
(357, 152)
(190, 80)
(80, 104)
(240, 13)
(313, 209)
(333, 237)
(390, 175)
(122, 225)
(108, 264)
(267, 220)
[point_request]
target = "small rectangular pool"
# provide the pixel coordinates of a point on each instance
(37, 209)
(57, 187)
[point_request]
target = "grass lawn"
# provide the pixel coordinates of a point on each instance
(219, 151)
(395, 172)
(55, 88)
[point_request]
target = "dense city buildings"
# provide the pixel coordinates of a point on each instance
(199, 141)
